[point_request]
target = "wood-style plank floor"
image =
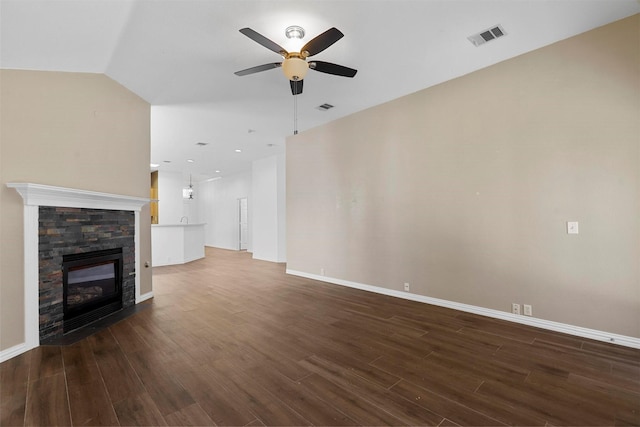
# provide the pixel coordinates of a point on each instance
(234, 341)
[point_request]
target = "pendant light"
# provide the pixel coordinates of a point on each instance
(190, 188)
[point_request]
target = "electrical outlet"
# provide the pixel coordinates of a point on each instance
(528, 310)
(407, 288)
(515, 308)
(572, 227)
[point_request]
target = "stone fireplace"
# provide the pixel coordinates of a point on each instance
(63, 225)
(86, 266)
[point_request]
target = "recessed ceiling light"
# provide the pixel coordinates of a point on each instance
(190, 160)
(217, 171)
(154, 165)
(238, 150)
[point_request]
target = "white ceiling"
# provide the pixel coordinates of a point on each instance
(180, 56)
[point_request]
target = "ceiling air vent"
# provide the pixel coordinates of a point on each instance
(487, 35)
(324, 107)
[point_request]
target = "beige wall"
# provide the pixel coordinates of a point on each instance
(70, 130)
(464, 189)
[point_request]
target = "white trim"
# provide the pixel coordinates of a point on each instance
(36, 195)
(579, 331)
(47, 195)
(138, 263)
(144, 297)
(31, 279)
(14, 351)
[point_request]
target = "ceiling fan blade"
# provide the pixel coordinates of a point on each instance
(323, 41)
(263, 67)
(335, 69)
(260, 39)
(296, 87)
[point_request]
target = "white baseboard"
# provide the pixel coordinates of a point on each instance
(13, 352)
(488, 312)
(144, 297)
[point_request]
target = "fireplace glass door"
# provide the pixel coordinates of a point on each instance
(92, 286)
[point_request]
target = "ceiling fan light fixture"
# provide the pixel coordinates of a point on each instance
(294, 32)
(295, 68)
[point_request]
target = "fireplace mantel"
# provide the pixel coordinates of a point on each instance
(36, 195)
(47, 195)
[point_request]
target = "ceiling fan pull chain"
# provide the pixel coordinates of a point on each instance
(295, 115)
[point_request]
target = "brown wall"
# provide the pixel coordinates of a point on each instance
(72, 130)
(464, 189)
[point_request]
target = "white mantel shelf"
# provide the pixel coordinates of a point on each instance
(47, 195)
(36, 195)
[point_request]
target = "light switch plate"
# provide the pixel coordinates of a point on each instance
(572, 227)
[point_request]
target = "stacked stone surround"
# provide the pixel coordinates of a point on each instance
(63, 231)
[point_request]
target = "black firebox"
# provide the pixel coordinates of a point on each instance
(92, 286)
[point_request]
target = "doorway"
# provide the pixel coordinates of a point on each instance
(243, 223)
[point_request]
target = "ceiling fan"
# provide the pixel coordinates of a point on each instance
(295, 65)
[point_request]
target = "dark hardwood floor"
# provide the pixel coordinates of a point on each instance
(233, 341)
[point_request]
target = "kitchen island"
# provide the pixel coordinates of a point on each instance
(176, 243)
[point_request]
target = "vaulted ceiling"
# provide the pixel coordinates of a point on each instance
(181, 55)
